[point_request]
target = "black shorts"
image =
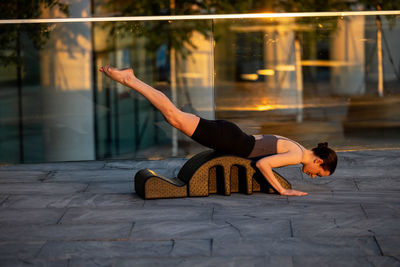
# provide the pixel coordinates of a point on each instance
(223, 136)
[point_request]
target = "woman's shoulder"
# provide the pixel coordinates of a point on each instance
(290, 144)
(283, 137)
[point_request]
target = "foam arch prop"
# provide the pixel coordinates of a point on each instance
(206, 173)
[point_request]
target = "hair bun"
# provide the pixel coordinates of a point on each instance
(323, 145)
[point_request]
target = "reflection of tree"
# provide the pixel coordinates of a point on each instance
(323, 26)
(12, 36)
(175, 35)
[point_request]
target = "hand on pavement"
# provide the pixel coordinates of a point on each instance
(291, 192)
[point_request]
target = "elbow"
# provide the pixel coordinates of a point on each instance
(260, 164)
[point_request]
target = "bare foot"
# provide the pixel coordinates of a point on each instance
(121, 76)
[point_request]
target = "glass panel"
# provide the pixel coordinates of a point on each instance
(47, 87)
(174, 57)
(311, 79)
(56, 106)
(10, 95)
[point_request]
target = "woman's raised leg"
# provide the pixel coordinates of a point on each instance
(184, 122)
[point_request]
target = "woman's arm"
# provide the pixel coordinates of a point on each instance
(266, 164)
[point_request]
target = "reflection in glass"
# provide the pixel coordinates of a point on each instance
(332, 79)
(310, 79)
(174, 57)
(47, 96)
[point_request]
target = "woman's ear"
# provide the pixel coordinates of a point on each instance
(318, 161)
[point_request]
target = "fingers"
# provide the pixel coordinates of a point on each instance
(294, 193)
(299, 193)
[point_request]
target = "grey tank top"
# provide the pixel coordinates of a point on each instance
(264, 146)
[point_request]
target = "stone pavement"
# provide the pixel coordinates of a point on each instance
(87, 214)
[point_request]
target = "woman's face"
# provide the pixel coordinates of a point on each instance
(314, 169)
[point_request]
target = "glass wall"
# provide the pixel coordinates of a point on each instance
(312, 79)
(316, 79)
(56, 106)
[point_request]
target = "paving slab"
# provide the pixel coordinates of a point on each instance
(382, 261)
(83, 199)
(334, 210)
(34, 262)
(348, 261)
(326, 184)
(13, 250)
(107, 215)
(367, 158)
(66, 232)
(106, 200)
(390, 244)
(366, 172)
(348, 197)
(259, 212)
(228, 228)
(255, 228)
(30, 216)
(93, 249)
(322, 246)
(293, 211)
(58, 166)
(216, 200)
(3, 199)
(311, 188)
(326, 197)
(192, 248)
(382, 210)
(259, 261)
(303, 227)
(92, 176)
(180, 230)
(381, 184)
(22, 176)
(38, 201)
(111, 188)
(290, 172)
(42, 188)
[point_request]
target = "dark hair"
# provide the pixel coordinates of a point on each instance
(327, 155)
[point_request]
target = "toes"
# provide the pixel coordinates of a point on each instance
(110, 69)
(106, 69)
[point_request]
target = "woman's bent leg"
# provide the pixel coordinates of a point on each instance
(184, 122)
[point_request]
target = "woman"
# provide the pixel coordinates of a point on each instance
(274, 151)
